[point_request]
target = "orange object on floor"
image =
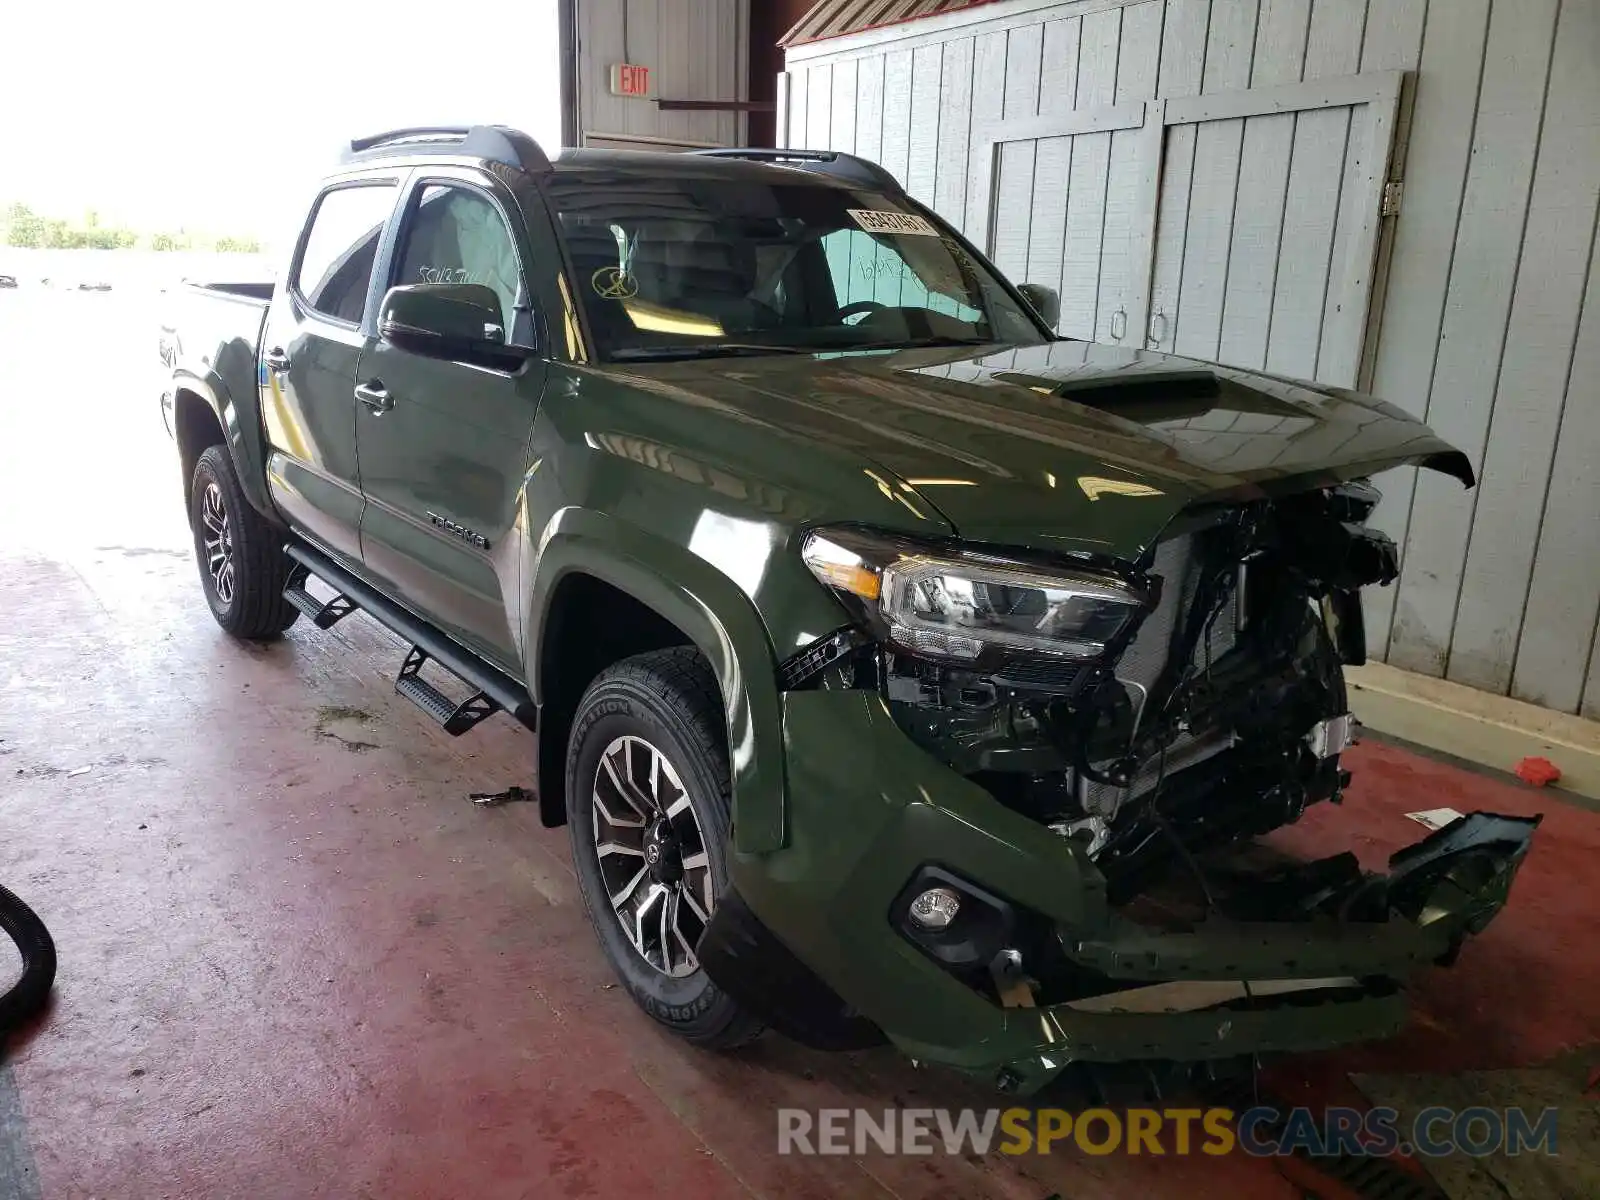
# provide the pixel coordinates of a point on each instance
(1540, 772)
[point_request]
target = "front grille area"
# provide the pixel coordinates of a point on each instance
(1040, 672)
(1142, 664)
(1177, 565)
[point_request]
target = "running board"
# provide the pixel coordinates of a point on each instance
(494, 689)
(323, 616)
(456, 718)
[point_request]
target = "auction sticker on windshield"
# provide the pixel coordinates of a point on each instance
(892, 222)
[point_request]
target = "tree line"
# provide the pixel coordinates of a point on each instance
(29, 230)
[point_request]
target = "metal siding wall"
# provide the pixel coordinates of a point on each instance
(796, 129)
(1138, 61)
(869, 108)
(1477, 307)
(1487, 310)
(697, 49)
(1535, 374)
(1058, 92)
(922, 165)
(1083, 240)
(897, 113)
(1451, 64)
(1214, 184)
(844, 105)
(1265, 155)
(1014, 187)
(955, 132)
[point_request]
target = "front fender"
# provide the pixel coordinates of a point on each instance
(238, 415)
(715, 614)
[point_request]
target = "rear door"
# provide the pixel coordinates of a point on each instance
(444, 452)
(310, 346)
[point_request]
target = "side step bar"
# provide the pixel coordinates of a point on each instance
(496, 689)
(456, 718)
(323, 616)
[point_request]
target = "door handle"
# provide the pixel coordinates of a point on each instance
(375, 396)
(276, 359)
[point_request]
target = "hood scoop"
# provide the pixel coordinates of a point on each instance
(1164, 395)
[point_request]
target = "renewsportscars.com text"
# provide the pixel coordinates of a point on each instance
(1263, 1131)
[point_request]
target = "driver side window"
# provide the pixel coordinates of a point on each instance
(456, 235)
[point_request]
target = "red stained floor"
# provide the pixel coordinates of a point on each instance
(297, 961)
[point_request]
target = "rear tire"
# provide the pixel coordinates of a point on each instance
(240, 555)
(650, 824)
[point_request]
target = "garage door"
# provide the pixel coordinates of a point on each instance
(1239, 227)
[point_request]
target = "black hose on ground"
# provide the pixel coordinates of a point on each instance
(28, 994)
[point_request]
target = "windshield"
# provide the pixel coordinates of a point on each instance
(684, 266)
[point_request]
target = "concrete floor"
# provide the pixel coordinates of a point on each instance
(296, 961)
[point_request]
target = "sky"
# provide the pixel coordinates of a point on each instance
(220, 115)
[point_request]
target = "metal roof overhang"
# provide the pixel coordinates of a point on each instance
(835, 18)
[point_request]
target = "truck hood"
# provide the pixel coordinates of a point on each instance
(1068, 446)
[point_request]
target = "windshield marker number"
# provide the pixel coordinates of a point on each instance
(892, 222)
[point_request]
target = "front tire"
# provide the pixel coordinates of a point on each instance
(648, 812)
(242, 564)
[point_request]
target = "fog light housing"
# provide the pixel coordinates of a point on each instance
(952, 920)
(935, 908)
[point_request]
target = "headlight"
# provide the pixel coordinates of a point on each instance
(956, 606)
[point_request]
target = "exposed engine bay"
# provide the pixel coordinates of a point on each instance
(1159, 717)
(1219, 712)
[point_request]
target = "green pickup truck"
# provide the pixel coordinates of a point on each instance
(900, 669)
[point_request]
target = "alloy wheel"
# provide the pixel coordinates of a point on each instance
(652, 855)
(218, 539)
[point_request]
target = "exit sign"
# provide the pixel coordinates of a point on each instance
(629, 79)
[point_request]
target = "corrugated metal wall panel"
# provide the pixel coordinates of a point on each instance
(1138, 60)
(697, 50)
(1472, 339)
(1424, 247)
(1490, 307)
(922, 155)
(1014, 185)
(1554, 666)
(1534, 370)
(955, 130)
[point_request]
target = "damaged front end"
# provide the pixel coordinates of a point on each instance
(1151, 720)
(1201, 690)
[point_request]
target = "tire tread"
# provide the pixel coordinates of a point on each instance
(680, 680)
(259, 611)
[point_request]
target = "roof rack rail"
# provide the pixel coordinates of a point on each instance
(847, 167)
(496, 143)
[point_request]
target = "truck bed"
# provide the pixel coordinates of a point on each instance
(260, 292)
(215, 329)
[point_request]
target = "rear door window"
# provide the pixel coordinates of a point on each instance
(336, 263)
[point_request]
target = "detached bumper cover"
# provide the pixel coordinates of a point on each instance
(868, 809)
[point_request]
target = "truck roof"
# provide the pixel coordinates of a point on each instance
(513, 148)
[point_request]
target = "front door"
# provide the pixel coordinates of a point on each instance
(310, 346)
(444, 445)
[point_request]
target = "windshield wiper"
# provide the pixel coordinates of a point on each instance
(709, 350)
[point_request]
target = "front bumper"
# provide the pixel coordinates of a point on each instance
(868, 809)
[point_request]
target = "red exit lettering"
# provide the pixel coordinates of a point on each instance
(628, 79)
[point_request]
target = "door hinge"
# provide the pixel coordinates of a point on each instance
(1392, 193)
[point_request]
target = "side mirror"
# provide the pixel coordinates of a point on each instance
(448, 320)
(1044, 300)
